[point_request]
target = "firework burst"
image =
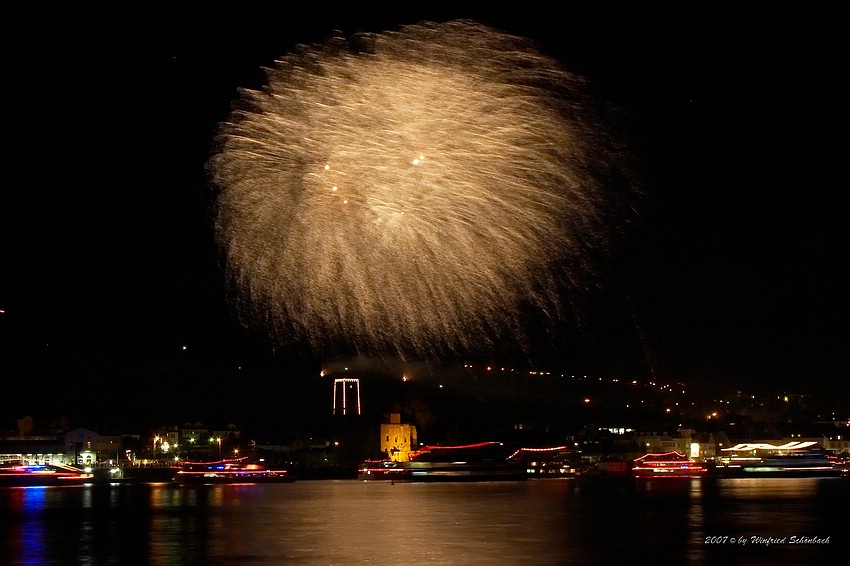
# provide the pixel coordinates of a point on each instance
(416, 191)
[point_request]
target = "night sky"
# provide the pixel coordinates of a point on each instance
(737, 270)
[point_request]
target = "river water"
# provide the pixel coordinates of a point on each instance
(548, 522)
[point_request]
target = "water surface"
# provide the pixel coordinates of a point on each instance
(563, 521)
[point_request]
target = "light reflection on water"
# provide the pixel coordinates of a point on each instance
(567, 521)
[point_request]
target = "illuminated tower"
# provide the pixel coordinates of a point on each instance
(346, 396)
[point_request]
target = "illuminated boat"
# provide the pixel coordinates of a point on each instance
(667, 464)
(236, 470)
(24, 474)
(790, 460)
(550, 462)
(470, 462)
(135, 474)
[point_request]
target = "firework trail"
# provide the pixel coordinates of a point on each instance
(415, 191)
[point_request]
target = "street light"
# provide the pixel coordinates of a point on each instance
(219, 447)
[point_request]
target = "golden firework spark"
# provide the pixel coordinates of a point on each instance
(410, 191)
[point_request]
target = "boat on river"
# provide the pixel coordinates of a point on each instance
(671, 464)
(20, 473)
(790, 460)
(548, 462)
(470, 462)
(234, 470)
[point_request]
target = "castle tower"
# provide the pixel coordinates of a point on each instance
(398, 439)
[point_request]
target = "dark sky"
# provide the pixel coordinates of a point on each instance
(737, 270)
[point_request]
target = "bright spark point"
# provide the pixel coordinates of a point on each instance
(430, 256)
